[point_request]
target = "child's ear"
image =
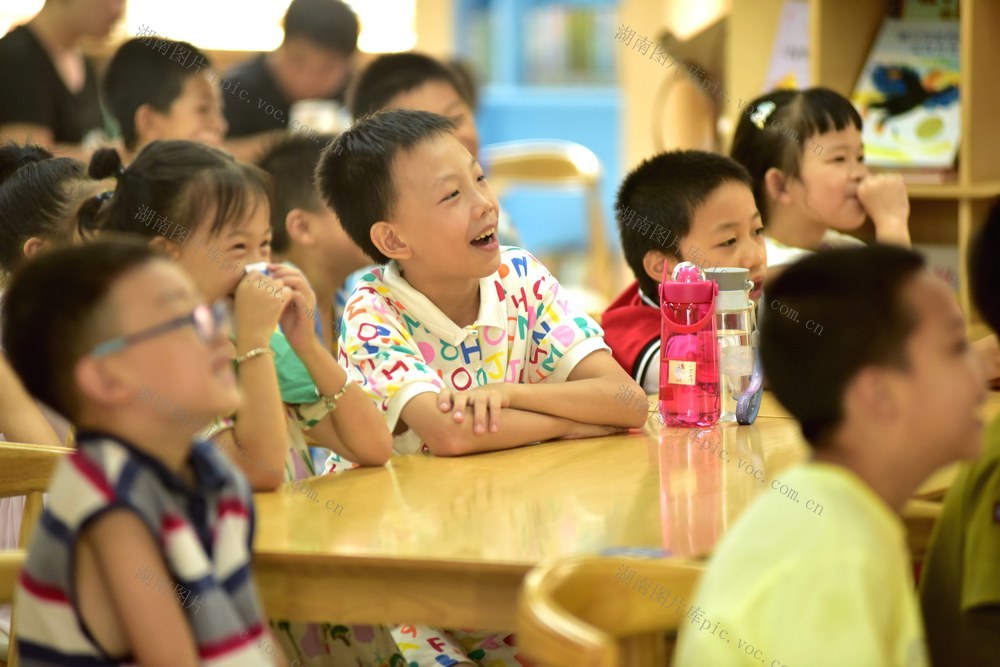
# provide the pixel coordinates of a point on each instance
(32, 246)
(147, 121)
(298, 225)
(389, 243)
(875, 395)
(99, 383)
(653, 262)
(776, 184)
(165, 245)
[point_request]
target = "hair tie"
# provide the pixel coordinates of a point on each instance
(763, 112)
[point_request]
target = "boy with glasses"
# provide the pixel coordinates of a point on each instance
(139, 500)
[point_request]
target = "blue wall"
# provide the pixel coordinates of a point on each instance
(549, 218)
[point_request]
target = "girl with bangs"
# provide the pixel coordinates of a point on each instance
(804, 152)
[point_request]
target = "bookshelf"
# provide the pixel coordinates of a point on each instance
(841, 34)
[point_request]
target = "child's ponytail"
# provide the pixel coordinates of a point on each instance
(38, 196)
(105, 163)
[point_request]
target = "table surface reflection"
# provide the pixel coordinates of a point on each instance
(659, 488)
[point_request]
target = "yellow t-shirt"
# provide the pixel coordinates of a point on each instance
(815, 574)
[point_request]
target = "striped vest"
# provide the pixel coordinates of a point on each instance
(205, 533)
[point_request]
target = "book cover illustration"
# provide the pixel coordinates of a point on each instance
(908, 95)
(789, 65)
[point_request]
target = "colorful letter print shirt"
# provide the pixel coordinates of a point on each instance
(397, 344)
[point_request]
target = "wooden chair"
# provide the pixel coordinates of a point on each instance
(25, 470)
(590, 611)
(557, 163)
(11, 563)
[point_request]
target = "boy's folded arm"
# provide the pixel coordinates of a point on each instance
(152, 624)
(589, 395)
(446, 437)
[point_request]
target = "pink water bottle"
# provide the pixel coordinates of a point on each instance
(689, 351)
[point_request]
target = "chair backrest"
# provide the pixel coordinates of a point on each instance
(11, 563)
(557, 163)
(590, 611)
(25, 470)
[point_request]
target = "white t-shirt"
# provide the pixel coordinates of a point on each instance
(779, 254)
(397, 344)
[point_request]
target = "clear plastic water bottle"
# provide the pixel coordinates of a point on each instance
(689, 352)
(734, 327)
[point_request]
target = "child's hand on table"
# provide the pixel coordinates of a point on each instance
(485, 401)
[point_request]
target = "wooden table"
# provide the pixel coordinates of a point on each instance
(447, 542)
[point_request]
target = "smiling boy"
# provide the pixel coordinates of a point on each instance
(455, 323)
(678, 206)
(154, 96)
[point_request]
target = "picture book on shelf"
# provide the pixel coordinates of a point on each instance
(908, 95)
(789, 65)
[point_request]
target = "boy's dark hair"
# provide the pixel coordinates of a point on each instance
(396, 73)
(827, 317)
(291, 164)
(174, 184)
(354, 174)
(330, 24)
(665, 191)
(37, 194)
(984, 270)
(55, 312)
(775, 129)
(139, 73)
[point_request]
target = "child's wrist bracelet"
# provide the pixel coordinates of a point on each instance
(330, 402)
(256, 352)
(310, 414)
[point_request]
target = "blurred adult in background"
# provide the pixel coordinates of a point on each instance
(48, 88)
(314, 62)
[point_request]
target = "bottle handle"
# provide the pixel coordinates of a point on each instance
(687, 328)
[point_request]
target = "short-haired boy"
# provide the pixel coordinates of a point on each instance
(315, 61)
(679, 206)
(885, 393)
(157, 88)
(419, 82)
(960, 581)
(416, 81)
(306, 232)
(142, 554)
(466, 346)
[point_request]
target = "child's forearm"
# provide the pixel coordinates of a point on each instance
(446, 437)
(260, 429)
(20, 418)
(894, 232)
(590, 401)
(591, 394)
(361, 433)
